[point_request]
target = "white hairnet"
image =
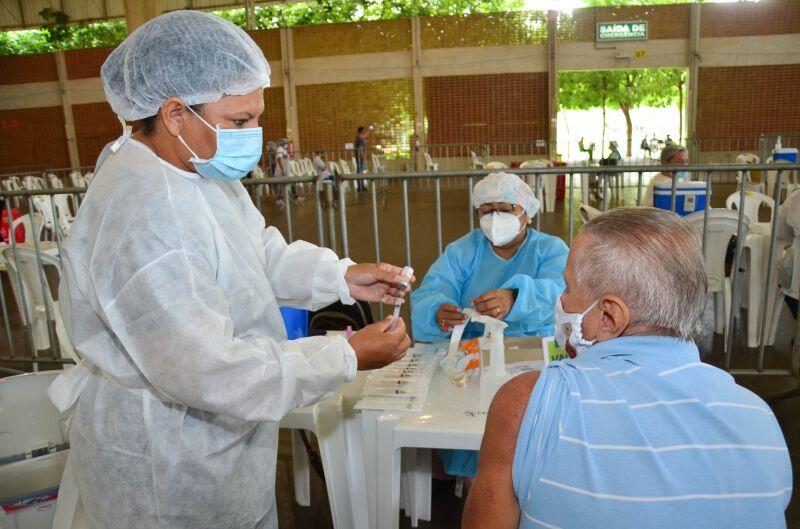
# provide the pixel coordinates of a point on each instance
(192, 55)
(505, 187)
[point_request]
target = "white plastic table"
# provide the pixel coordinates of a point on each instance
(453, 418)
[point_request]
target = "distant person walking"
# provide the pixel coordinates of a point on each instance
(360, 145)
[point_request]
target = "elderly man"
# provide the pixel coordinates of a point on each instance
(635, 431)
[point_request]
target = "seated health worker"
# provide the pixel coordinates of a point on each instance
(505, 269)
(636, 431)
(671, 154)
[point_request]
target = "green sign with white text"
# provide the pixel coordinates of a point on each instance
(617, 31)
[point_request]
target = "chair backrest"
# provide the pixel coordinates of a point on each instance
(722, 225)
(333, 168)
(747, 157)
(377, 166)
(344, 167)
(587, 212)
(28, 420)
(33, 182)
(429, 165)
(55, 182)
(353, 165)
(494, 166)
(258, 172)
(77, 179)
(43, 205)
(752, 203)
(88, 177)
(27, 226)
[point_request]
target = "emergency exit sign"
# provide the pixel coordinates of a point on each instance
(617, 31)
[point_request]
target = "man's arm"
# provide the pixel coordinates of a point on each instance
(492, 502)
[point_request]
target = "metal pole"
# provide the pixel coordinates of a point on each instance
(406, 222)
(570, 207)
(438, 215)
(26, 316)
(469, 204)
(706, 210)
(768, 286)
(288, 202)
(331, 217)
(43, 281)
(343, 219)
(318, 206)
(375, 230)
(605, 192)
(735, 278)
(673, 200)
(538, 184)
(639, 190)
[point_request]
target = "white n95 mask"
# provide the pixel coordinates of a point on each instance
(568, 328)
(501, 228)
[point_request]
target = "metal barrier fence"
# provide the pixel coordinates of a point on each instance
(26, 286)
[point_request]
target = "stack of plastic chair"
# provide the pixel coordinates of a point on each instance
(33, 451)
(547, 193)
(33, 182)
(38, 301)
(476, 164)
(430, 165)
(13, 183)
(495, 166)
(722, 226)
(749, 184)
(752, 205)
(377, 165)
(87, 177)
(787, 291)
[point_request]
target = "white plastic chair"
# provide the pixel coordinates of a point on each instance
(430, 165)
(587, 212)
(476, 164)
(749, 184)
(37, 301)
(33, 182)
(722, 225)
(790, 291)
(753, 203)
(547, 194)
(377, 165)
(33, 432)
(495, 166)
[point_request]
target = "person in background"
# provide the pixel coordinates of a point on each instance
(282, 171)
(635, 431)
(327, 179)
(671, 154)
(614, 157)
(272, 150)
(788, 234)
(360, 145)
(505, 269)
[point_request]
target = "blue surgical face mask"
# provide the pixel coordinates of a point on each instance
(682, 175)
(238, 152)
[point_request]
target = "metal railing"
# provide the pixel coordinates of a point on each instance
(329, 234)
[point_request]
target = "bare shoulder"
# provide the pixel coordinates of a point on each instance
(506, 413)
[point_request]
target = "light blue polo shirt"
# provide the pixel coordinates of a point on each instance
(637, 432)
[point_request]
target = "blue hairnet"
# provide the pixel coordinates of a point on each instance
(505, 187)
(192, 55)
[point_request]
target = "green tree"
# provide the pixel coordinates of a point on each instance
(623, 90)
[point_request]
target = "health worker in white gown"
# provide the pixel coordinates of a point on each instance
(170, 293)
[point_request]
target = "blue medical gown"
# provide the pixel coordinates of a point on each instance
(469, 267)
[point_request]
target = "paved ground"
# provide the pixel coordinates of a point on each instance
(455, 222)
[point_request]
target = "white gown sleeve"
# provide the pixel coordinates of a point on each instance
(173, 322)
(302, 275)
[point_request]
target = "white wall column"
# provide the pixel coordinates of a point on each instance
(289, 87)
(419, 91)
(66, 107)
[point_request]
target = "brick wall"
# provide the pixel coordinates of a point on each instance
(665, 21)
(95, 125)
(273, 120)
(269, 40)
(85, 64)
(767, 17)
(747, 101)
(486, 108)
(19, 69)
(497, 29)
(347, 39)
(329, 114)
(32, 139)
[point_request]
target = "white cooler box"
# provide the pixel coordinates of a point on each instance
(689, 197)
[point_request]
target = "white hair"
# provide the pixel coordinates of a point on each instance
(652, 260)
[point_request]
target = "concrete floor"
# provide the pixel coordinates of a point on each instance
(455, 223)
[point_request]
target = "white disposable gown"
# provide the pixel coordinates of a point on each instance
(172, 293)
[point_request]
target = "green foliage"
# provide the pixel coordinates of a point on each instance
(618, 88)
(76, 36)
(333, 11)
